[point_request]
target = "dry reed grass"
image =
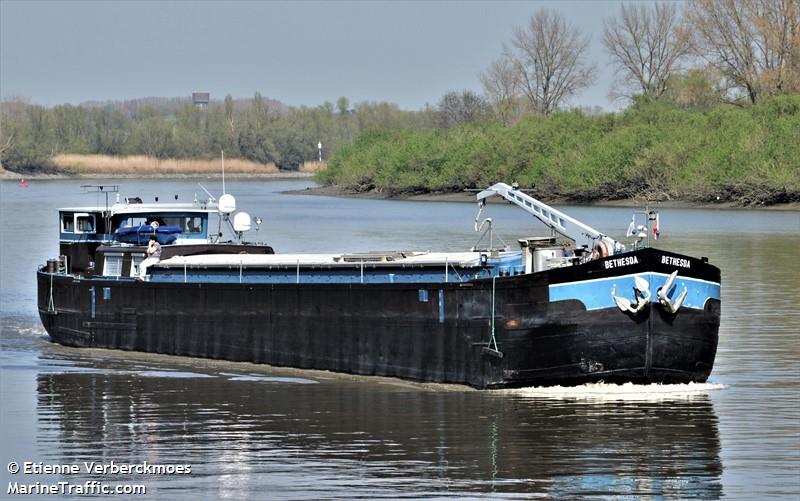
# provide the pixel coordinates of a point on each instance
(312, 166)
(140, 164)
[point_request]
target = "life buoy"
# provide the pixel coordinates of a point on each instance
(600, 250)
(154, 225)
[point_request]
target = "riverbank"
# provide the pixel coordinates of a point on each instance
(11, 176)
(375, 194)
(90, 166)
(469, 197)
(744, 157)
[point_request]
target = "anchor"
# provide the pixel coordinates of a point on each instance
(641, 292)
(663, 297)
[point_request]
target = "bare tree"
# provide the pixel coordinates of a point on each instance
(646, 42)
(754, 43)
(550, 60)
(500, 84)
(457, 108)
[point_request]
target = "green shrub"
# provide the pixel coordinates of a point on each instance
(652, 149)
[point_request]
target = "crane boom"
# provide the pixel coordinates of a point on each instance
(582, 234)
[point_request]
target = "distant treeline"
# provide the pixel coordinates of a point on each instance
(255, 129)
(653, 150)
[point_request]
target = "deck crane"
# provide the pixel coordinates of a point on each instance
(583, 235)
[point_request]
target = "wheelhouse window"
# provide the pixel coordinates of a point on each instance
(132, 221)
(85, 223)
(188, 223)
(193, 225)
(68, 222)
(80, 222)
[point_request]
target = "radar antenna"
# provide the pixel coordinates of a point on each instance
(102, 188)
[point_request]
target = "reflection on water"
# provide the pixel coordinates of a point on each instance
(351, 437)
(254, 432)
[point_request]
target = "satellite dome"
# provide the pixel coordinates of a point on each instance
(227, 204)
(241, 221)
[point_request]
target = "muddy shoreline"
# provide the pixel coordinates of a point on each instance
(469, 197)
(336, 191)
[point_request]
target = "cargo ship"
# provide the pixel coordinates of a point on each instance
(568, 308)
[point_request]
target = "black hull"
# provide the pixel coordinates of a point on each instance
(386, 330)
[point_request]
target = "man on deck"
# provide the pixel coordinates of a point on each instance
(153, 256)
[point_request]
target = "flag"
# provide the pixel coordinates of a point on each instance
(632, 227)
(656, 228)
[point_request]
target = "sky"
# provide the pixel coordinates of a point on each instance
(300, 53)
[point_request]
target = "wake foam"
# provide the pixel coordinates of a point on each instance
(612, 392)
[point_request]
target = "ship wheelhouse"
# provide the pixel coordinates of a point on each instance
(82, 230)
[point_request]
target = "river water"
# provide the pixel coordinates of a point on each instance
(254, 432)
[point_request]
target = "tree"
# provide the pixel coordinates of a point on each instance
(697, 88)
(153, 137)
(255, 144)
(343, 105)
(260, 111)
(550, 60)
(380, 115)
(229, 116)
(458, 108)
(501, 87)
(26, 132)
(755, 44)
(646, 43)
(111, 130)
(326, 107)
